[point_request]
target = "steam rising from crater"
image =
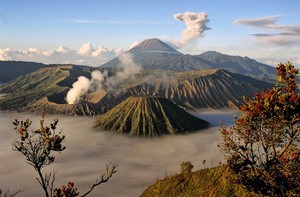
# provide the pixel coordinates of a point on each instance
(101, 80)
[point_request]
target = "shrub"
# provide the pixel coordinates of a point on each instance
(262, 148)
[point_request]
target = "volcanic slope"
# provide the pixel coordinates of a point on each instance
(149, 117)
(46, 90)
(155, 54)
(214, 88)
(237, 64)
(42, 90)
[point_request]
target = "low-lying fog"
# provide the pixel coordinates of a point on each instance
(140, 161)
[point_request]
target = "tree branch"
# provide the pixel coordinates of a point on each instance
(110, 170)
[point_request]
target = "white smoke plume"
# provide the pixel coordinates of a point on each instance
(83, 85)
(101, 80)
(128, 70)
(196, 24)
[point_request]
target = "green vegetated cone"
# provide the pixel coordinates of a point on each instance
(149, 116)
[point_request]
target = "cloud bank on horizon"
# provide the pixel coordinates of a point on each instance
(85, 55)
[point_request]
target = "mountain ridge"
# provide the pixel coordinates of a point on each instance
(237, 64)
(155, 54)
(197, 89)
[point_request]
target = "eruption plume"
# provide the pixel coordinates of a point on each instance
(195, 26)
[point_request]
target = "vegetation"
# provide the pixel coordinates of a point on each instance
(37, 147)
(209, 182)
(51, 83)
(31, 87)
(186, 167)
(262, 148)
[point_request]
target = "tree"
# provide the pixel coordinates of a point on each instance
(262, 148)
(37, 147)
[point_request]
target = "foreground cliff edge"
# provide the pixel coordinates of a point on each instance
(216, 181)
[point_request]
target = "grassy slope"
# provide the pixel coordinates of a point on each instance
(10, 70)
(31, 87)
(217, 181)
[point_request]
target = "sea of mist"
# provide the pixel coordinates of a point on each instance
(141, 161)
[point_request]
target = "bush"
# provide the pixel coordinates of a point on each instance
(186, 167)
(262, 148)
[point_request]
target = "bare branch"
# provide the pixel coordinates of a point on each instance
(110, 170)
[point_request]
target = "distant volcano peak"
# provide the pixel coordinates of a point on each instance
(153, 45)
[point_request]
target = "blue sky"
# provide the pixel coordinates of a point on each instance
(235, 26)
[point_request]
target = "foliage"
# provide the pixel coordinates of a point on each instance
(66, 190)
(37, 147)
(186, 167)
(262, 148)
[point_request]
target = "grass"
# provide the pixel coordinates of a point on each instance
(209, 182)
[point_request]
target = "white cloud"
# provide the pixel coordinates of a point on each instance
(62, 49)
(85, 55)
(263, 22)
(283, 35)
(4, 54)
(100, 51)
(86, 49)
(133, 44)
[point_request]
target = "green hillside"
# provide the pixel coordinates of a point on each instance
(31, 87)
(44, 82)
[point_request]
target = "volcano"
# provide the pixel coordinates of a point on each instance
(155, 54)
(153, 45)
(149, 116)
